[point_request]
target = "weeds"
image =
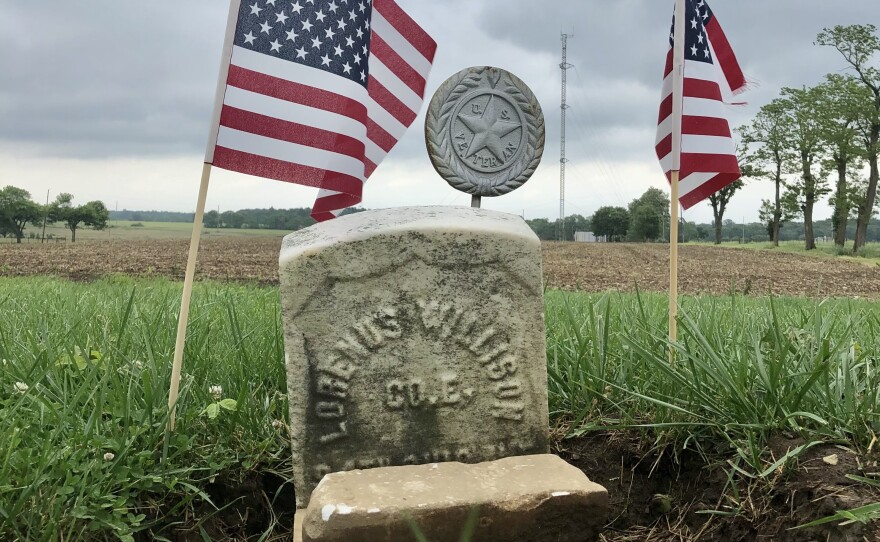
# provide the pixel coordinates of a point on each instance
(85, 369)
(83, 404)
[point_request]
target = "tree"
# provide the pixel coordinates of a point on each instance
(16, 211)
(543, 228)
(611, 222)
(719, 201)
(645, 223)
(776, 216)
(841, 104)
(658, 201)
(575, 223)
(212, 219)
(765, 138)
(803, 137)
(231, 219)
(93, 213)
(859, 45)
(654, 198)
(857, 196)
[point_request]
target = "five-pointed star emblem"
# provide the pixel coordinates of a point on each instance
(488, 129)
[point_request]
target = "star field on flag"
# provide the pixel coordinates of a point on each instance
(318, 92)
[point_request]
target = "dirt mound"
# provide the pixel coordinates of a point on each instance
(657, 499)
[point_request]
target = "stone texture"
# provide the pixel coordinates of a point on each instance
(413, 335)
(298, 518)
(537, 498)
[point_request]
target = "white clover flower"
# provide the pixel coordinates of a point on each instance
(138, 364)
(21, 387)
(277, 424)
(109, 456)
(216, 392)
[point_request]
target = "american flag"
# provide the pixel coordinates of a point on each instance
(318, 92)
(712, 76)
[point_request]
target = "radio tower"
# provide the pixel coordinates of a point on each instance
(564, 66)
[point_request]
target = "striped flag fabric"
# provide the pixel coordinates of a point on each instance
(712, 77)
(317, 92)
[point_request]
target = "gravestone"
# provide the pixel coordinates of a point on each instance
(413, 336)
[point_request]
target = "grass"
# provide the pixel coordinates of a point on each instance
(745, 368)
(83, 392)
(869, 255)
(85, 369)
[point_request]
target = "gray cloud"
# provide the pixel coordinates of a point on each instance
(617, 49)
(111, 78)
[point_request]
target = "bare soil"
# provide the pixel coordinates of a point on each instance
(702, 505)
(571, 266)
(705, 270)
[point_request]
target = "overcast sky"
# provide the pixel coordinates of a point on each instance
(111, 99)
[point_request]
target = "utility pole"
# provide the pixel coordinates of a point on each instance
(562, 160)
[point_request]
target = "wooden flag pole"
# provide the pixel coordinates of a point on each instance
(225, 57)
(187, 294)
(673, 262)
(677, 103)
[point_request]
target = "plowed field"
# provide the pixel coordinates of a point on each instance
(583, 266)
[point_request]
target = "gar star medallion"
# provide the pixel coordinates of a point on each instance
(485, 131)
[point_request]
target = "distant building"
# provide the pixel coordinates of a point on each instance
(587, 237)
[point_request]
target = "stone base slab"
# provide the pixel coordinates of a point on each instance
(298, 525)
(536, 498)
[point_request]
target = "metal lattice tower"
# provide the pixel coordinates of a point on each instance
(562, 160)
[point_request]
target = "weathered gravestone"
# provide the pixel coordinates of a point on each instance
(415, 345)
(413, 336)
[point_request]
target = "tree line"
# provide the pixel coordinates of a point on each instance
(18, 210)
(813, 142)
(248, 219)
(646, 219)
